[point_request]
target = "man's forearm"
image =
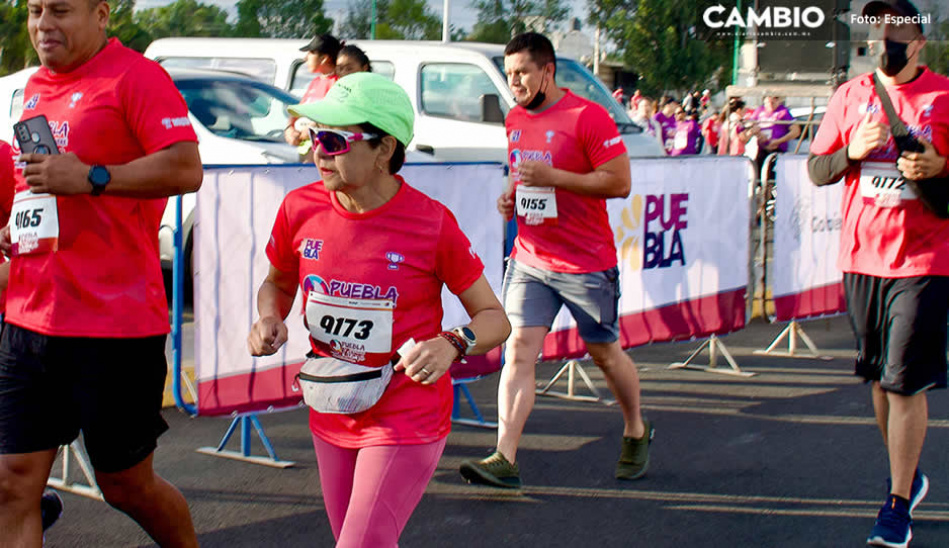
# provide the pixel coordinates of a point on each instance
(826, 169)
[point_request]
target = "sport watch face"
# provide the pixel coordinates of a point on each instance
(468, 335)
(99, 176)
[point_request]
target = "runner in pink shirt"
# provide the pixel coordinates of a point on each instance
(894, 250)
(567, 158)
(371, 255)
(321, 54)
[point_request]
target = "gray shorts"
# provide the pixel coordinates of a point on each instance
(533, 297)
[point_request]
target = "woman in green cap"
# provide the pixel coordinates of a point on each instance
(371, 255)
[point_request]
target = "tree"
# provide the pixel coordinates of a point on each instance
(666, 42)
(16, 50)
(936, 53)
(282, 19)
(499, 20)
(123, 26)
(184, 18)
(395, 20)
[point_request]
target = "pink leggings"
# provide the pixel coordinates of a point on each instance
(370, 493)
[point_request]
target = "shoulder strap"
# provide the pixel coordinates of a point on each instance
(897, 127)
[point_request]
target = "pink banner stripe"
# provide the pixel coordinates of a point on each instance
(716, 314)
(815, 302)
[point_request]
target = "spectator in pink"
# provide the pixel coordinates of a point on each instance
(711, 127)
(634, 101)
(706, 98)
(734, 134)
(774, 131)
(687, 135)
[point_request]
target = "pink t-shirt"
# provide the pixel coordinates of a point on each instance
(403, 253)
(105, 278)
(318, 88)
(886, 231)
(575, 135)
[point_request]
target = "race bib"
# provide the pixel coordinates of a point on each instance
(34, 224)
(681, 140)
(538, 205)
(351, 328)
(883, 185)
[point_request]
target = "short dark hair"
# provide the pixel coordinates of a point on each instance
(537, 46)
(398, 156)
(356, 53)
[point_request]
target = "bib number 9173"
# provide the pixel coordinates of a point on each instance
(339, 326)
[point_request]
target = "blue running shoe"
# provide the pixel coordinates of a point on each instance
(892, 528)
(917, 491)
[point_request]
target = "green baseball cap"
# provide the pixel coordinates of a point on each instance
(363, 97)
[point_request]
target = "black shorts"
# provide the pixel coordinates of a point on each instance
(900, 325)
(110, 389)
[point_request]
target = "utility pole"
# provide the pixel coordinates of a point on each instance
(372, 22)
(446, 28)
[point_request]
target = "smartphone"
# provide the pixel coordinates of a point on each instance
(34, 136)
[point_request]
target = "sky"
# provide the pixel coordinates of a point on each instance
(462, 13)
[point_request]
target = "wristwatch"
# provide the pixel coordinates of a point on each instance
(466, 335)
(98, 177)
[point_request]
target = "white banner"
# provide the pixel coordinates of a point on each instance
(235, 212)
(805, 279)
(682, 237)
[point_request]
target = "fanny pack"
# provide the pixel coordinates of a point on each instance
(331, 385)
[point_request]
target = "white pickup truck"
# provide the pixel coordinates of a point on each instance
(458, 89)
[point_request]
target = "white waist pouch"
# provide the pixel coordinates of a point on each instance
(335, 386)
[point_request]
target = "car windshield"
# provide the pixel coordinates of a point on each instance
(238, 109)
(575, 77)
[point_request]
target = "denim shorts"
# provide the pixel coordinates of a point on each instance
(51, 388)
(533, 297)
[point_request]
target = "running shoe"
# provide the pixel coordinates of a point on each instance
(917, 492)
(893, 525)
(494, 470)
(634, 455)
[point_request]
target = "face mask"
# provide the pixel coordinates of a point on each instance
(538, 99)
(893, 58)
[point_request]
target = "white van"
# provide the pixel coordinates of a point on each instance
(458, 89)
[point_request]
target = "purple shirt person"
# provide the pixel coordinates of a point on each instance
(686, 140)
(667, 121)
(771, 136)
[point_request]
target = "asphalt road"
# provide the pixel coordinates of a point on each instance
(789, 457)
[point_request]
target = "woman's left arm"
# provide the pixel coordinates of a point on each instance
(431, 359)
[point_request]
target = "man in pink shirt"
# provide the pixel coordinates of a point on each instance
(567, 158)
(894, 250)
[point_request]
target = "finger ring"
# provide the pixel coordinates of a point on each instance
(426, 371)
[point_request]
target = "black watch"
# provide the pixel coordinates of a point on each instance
(98, 177)
(466, 335)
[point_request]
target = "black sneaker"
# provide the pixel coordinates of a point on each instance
(495, 471)
(893, 525)
(51, 507)
(634, 455)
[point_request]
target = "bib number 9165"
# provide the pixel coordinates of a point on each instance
(29, 218)
(346, 327)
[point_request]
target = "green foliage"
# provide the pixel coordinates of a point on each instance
(936, 53)
(16, 51)
(123, 25)
(666, 42)
(499, 20)
(281, 19)
(184, 18)
(395, 20)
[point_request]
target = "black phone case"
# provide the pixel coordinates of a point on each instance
(34, 136)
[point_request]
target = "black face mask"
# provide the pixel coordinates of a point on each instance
(893, 58)
(538, 99)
